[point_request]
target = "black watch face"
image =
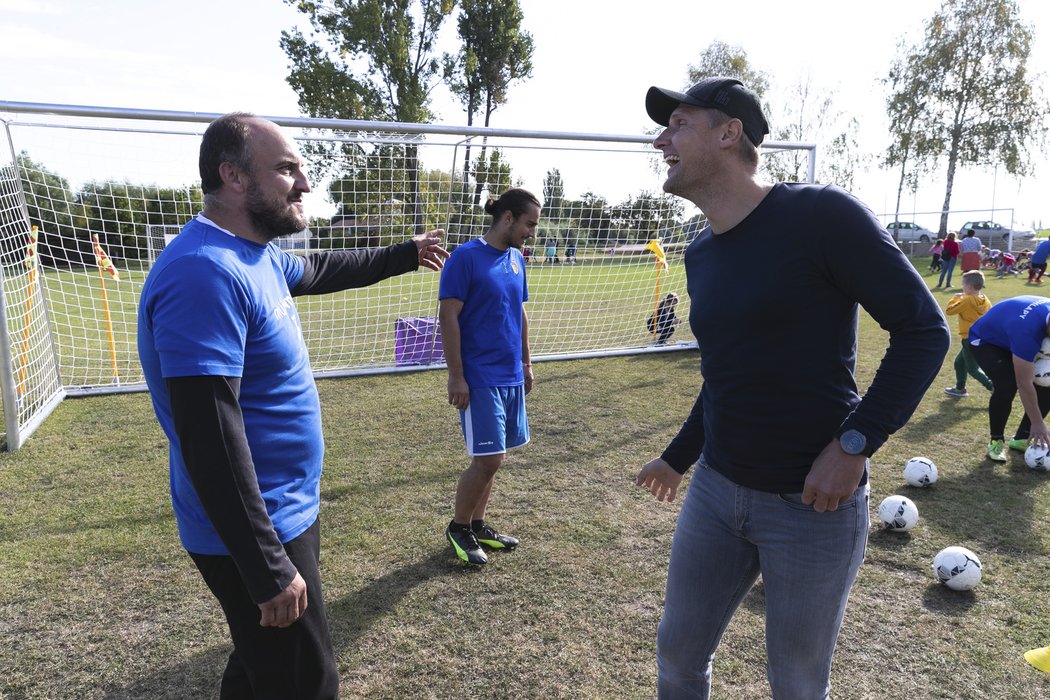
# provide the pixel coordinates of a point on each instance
(852, 442)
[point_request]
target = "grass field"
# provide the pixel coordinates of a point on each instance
(98, 600)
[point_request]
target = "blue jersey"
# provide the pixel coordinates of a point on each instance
(1017, 324)
(1040, 253)
(491, 284)
(215, 304)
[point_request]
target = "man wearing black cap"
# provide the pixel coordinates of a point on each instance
(781, 442)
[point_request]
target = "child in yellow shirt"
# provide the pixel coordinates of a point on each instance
(969, 306)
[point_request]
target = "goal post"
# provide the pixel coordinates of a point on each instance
(158, 236)
(128, 179)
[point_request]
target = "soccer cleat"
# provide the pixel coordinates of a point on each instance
(1019, 444)
(997, 451)
(957, 393)
(488, 536)
(465, 545)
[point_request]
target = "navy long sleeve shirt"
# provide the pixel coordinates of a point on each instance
(774, 308)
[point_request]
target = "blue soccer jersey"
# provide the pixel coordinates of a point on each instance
(1017, 324)
(491, 284)
(215, 304)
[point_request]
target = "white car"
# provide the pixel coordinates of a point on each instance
(907, 231)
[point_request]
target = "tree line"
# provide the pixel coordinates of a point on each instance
(370, 203)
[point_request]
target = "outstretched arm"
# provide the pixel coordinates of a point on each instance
(334, 271)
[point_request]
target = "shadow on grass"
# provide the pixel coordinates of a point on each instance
(349, 617)
(195, 677)
(941, 599)
(354, 614)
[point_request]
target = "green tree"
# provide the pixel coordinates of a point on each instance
(492, 172)
(980, 104)
(721, 59)
(495, 52)
(374, 60)
(553, 194)
(119, 212)
(644, 216)
(54, 210)
(810, 113)
(591, 214)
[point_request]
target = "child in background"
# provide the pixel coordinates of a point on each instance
(935, 250)
(662, 323)
(969, 306)
(1006, 264)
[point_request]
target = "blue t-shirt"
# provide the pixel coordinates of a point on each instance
(491, 284)
(1040, 253)
(1017, 324)
(215, 304)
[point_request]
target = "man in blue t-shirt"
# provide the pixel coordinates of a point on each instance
(485, 335)
(780, 438)
(229, 375)
(1006, 342)
(1037, 265)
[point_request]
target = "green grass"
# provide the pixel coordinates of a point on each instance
(99, 601)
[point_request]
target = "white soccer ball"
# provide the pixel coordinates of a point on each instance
(1042, 371)
(920, 472)
(1044, 350)
(1037, 458)
(898, 513)
(957, 568)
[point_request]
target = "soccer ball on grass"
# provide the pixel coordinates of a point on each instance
(920, 472)
(898, 513)
(1037, 457)
(957, 568)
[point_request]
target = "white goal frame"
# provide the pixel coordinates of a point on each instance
(86, 173)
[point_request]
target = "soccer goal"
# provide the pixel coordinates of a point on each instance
(115, 186)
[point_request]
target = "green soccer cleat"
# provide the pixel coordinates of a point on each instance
(997, 451)
(1019, 444)
(465, 546)
(488, 536)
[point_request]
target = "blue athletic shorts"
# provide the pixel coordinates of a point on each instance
(495, 420)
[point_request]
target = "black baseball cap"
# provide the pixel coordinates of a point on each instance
(726, 94)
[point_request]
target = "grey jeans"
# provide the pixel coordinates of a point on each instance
(726, 536)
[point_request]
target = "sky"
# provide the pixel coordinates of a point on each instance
(592, 67)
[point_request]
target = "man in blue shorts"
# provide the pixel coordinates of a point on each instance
(485, 335)
(229, 375)
(781, 446)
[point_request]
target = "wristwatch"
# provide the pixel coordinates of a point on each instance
(853, 442)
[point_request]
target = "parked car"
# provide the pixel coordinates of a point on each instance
(907, 231)
(996, 235)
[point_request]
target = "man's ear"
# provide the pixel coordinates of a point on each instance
(232, 176)
(732, 131)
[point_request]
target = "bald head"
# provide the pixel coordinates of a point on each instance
(226, 140)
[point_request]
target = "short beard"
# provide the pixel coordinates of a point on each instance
(270, 217)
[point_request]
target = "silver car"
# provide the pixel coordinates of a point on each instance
(996, 235)
(907, 232)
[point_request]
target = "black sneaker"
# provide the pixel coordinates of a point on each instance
(487, 535)
(465, 545)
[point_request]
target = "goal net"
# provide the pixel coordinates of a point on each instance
(609, 245)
